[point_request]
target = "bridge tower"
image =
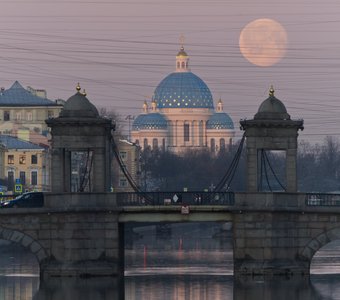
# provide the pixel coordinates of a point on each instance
(271, 129)
(81, 147)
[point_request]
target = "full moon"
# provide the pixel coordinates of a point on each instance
(263, 42)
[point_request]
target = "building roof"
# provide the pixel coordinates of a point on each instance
(78, 106)
(272, 108)
(150, 121)
(11, 142)
(183, 90)
(17, 95)
(220, 120)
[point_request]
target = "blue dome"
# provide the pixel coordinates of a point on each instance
(220, 120)
(183, 90)
(149, 121)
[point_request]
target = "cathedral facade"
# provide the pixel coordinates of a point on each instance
(182, 116)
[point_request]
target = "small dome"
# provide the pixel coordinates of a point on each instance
(272, 108)
(78, 106)
(183, 90)
(138, 121)
(220, 120)
(150, 121)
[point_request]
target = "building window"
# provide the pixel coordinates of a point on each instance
(34, 177)
(22, 178)
(18, 116)
(10, 176)
(145, 143)
(154, 144)
(212, 145)
(186, 133)
(123, 182)
(22, 159)
(34, 159)
(10, 159)
(50, 114)
(6, 115)
(123, 155)
(29, 116)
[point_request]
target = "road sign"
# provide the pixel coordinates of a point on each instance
(18, 188)
(17, 181)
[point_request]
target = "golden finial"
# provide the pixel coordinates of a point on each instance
(84, 92)
(220, 100)
(271, 91)
(78, 87)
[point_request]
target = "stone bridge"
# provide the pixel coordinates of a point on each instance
(81, 234)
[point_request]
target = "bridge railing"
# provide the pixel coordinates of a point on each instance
(175, 198)
(318, 199)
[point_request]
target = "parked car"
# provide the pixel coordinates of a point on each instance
(31, 199)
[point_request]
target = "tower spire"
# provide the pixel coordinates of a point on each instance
(181, 41)
(182, 58)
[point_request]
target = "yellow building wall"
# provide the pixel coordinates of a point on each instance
(16, 161)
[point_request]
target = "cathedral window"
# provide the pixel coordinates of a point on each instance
(212, 145)
(222, 144)
(154, 144)
(186, 133)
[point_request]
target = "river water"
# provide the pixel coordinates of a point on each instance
(176, 262)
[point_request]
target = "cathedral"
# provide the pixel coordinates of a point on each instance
(182, 116)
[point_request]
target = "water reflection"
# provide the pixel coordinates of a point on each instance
(178, 268)
(77, 288)
(278, 288)
(182, 287)
(19, 272)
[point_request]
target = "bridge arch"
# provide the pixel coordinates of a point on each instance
(24, 240)
(319, 241)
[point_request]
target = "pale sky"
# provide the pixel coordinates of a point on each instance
(120, 50)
